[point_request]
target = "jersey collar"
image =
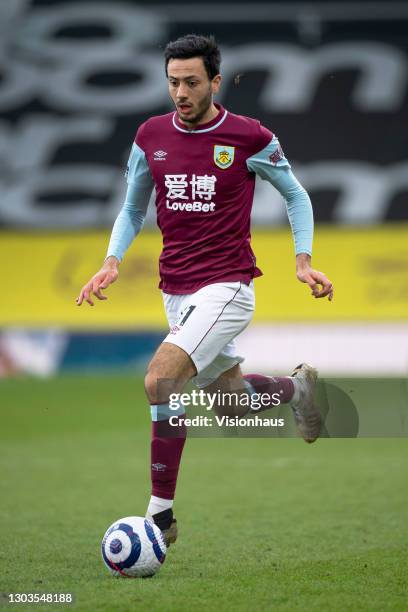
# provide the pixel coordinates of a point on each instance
(203, 127)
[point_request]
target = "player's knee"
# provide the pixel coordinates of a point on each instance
(159, 387)
(151, 384)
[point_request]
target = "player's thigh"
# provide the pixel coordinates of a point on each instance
(210, 319)
(168, 371)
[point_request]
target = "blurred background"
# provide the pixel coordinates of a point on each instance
(76, 80)
(320, 528)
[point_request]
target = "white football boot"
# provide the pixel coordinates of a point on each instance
(307, 416)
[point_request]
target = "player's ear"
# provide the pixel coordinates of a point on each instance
(216, 83)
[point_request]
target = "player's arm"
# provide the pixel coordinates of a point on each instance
(271, 165)
(128, 224)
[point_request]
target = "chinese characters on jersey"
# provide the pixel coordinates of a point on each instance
(194, 195)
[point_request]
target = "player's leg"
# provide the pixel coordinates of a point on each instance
(200, 325)
(280, 390)
(167, 373)
(229, 383)
(298, 390)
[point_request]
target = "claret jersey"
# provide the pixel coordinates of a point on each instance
(204, 181)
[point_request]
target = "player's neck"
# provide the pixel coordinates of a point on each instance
(211, 113)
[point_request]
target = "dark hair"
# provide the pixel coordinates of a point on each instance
(195, 45)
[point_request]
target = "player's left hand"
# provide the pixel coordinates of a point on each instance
(320, 285)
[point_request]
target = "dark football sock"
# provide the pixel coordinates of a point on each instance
(277, 387)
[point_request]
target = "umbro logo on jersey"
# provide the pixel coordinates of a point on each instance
(160, 155)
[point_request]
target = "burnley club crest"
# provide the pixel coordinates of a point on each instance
(223, 156)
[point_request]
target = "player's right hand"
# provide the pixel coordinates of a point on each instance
(101, 280)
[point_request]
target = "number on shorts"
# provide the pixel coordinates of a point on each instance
(185, 315)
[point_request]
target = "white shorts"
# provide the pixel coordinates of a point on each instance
(205, 323)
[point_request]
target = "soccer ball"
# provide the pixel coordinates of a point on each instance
(133, 547)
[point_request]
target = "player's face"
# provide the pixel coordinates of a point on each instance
(191, 90)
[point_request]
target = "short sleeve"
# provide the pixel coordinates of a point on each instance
(262, 137)
(269, 162)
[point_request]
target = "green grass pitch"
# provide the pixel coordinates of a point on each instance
(265, 524)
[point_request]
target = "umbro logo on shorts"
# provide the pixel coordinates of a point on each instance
(160, 155)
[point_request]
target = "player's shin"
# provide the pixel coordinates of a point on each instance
(168, 438)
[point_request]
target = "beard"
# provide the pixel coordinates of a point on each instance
(202, 109)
